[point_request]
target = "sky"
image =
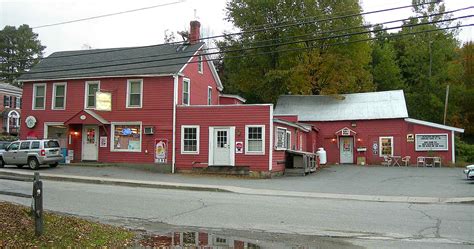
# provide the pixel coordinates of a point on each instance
(148, 27)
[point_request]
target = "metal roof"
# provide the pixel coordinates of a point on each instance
(435, 125)
(356, 106)
(10, 88)
(153, 60)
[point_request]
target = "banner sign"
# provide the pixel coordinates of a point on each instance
(161, 150)
(431, 142)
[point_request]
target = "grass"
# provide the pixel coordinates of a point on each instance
(61, 231)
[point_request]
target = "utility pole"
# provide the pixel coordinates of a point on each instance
(446, 104)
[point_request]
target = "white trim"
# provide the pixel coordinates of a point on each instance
(189, 91)
(200, 64)
(45, 127)
(190, 59)
(231, 144)
(96, 116)
(380, 144)
(295, 125)
(233, 96)
(284, 141)
(17, 121)
(33, 102)
(112, 134)
(209, 95)
(247, 152)
(175, 102)
(101, 77)
(86, 93)
(436, 134)
(288, 139)
(270, 144)
(198, 141)
(96, 142)
(210, 158)
(453, 155)
(220, 87)
(226, 106)
(129, 81)
(435, 125)
(53, 100)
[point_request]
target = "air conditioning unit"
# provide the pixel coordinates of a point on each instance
(149, 130)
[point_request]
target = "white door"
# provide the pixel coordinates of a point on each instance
(221, 144)
(346, 147)
(90, 144)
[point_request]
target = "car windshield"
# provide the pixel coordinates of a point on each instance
(51, 144)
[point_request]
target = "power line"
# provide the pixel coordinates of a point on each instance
(286, 25)
(258, 47)
(268, 40)
(107, 15)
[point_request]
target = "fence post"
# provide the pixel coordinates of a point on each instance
(38, 204)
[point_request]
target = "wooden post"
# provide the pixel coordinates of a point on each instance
(38, 204)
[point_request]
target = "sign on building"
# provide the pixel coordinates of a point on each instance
(161, 150)
(103, 101)
(431, 142)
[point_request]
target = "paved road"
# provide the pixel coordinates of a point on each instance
(347, 179)
(369, 224)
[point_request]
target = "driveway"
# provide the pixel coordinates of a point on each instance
(346, 179)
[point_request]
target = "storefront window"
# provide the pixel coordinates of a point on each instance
(386, 146)
(127, 137)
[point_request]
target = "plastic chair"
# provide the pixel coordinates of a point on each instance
(437, 160)
(406, 160)
(387, 161)
(420, 160)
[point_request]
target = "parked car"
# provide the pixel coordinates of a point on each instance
(3, 146)
(32, 153)
(469, 171)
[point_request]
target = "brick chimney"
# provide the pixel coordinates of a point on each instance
(195, 32)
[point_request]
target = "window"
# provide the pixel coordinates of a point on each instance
(39, 96)
(134, 93)
(51, 144)
(301, 142)
(127, 137)
(59, 96)
(35, 145)
(25, 146)
(200, 66)
(14, 146)
(288, 140)
(255, 139)
(6, 101)
(209, 95)
(281, 139)
(91, 88)
(189, 139)
(18, 102)
(386, 146)
(186, 88)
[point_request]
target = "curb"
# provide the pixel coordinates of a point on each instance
(246, 191)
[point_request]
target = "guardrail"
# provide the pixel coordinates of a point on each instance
(37, 196)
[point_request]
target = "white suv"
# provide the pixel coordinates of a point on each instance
(32, 153)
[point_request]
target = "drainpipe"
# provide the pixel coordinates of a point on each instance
(175, 101)
(270, 146)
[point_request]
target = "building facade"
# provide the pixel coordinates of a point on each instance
(11, 108)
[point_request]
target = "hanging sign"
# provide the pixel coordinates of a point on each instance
(103, 101)
(346, 132)
(161, 150)
(239, 147)
(431, 142)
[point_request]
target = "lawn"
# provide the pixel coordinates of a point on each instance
(61, 231)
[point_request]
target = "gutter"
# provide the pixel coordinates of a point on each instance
(175, 101)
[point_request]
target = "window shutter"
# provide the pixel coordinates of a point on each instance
(19, 106)
(5, 100)
(13, 101)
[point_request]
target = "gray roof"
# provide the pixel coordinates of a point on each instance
(10, 88)
(147, 60)
(356, 106)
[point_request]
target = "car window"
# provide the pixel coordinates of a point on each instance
(35, 145)
(14, 146)
(4, 145)
(51, 144)
(25, 146)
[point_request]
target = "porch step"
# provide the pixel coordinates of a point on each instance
(223, 170)
(294, 172)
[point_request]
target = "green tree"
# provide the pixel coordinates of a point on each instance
(20, 49)
(281, 66)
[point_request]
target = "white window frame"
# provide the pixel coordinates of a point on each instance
(247, 152)
(129, 81)
(200, 64)
(188, 91)
(285, 130)
(86, 94)
(301, 142)
(53, 102)
(380, 145)
(197, 127)
(33, 102)
(112, 134)
(209, 95)
(435, 134)
(18, 102)
(288, 139)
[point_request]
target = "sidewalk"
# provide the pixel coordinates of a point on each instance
(414, 185)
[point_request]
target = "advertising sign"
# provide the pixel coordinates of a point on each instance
(239, 147)
(103, 101)
(431, 142)
(161, 150)
(103, 142)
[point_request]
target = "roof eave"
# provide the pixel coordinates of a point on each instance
(434, 125)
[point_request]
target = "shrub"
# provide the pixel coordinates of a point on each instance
(464, 152)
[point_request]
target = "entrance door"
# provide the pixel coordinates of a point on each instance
(346, 148)
(222, 148)
(90, 144)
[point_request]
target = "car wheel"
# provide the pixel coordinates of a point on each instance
(54, 165)
(33, 163)
(20, 166)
